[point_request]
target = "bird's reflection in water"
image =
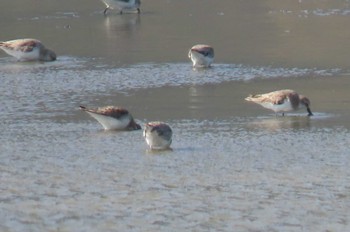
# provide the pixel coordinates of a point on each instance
(118, 25)
(122, 36)
(277, 123)
(194, 99)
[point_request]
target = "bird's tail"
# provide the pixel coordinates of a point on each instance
(83, 108)
(252, 97)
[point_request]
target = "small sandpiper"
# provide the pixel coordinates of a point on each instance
(113, 118)
(122, 5)
(158, 135)
(28, 50)
(281, 101)
(201, 55)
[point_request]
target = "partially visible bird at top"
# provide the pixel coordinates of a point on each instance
(122, 5)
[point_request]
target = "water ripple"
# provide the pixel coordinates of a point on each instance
(43, 88)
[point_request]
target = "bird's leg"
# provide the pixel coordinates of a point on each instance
(105, 11)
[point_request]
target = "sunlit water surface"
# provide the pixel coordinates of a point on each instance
(60, 171)
(234, 166)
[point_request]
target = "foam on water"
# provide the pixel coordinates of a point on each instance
(57, 15)
(93, 75)
(43, 88)
(313, 12)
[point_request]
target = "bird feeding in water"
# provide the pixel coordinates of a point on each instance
(158, 135)
(281, 101)
(113, 118)
(28, 50)
(201, 55)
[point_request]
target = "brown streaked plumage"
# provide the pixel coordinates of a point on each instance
(113, 118)
(28, 50)
(281, 101)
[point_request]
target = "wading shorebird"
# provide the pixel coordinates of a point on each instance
(122, 5)
(113, 118)
(158, 135)
(281, 101)
(201, 55)
(28, 50)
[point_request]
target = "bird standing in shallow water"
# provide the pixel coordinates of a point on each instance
(281, 101)
(28, 50)
(201, 55)
(113, 118)
(158, 135)
(122, 5)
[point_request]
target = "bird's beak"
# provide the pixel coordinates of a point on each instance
(133, 126)
(309, 111)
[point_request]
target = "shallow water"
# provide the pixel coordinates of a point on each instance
(233, 165)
